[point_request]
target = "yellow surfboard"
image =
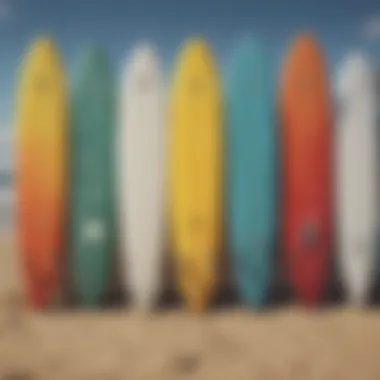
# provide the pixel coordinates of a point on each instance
(195, 172)
(41, 169)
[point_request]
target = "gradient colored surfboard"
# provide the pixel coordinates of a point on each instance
(41, 169)
(195, 172)
(92, 177)
(250, 142)
(305, 115)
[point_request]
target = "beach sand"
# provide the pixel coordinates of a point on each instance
(226, 343)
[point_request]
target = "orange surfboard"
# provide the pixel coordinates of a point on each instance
(305, 112)
(40, 169)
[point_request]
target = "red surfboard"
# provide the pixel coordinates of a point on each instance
(305, 115)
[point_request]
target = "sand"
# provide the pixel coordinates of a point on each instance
(285, 343)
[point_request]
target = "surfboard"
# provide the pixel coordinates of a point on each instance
(251, 145)
(41, 115)
(142, 174)
(195, 172)
(306, 129)
(356, 175)
(92, 176)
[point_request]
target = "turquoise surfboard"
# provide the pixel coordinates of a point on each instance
(92, 176)
(251, 163)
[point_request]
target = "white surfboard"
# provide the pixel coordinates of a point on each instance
(356, 176)
(141, 175)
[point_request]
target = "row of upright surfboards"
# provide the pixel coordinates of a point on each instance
(105, 171)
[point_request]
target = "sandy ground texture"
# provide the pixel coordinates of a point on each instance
(230, 343)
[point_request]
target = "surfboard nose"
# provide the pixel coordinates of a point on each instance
(43, 44)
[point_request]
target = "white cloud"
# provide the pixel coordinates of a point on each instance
(371, 29)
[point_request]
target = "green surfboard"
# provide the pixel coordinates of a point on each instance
(92, 176)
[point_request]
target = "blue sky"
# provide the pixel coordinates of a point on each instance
(118, 24)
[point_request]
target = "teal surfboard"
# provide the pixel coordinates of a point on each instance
(251, 165)
(92, 176)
